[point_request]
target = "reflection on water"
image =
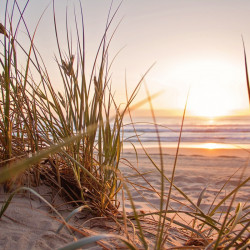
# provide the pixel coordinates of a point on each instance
(215, 146)
(221, 133)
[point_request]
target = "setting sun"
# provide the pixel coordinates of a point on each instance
(213, 90)
(207, 101)
(217, 87)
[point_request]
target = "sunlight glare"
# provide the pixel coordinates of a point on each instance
(211, 93)
(215, 87)
(212, 146)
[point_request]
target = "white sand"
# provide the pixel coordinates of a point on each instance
(29, 224)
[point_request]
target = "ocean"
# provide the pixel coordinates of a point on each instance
(198, 132)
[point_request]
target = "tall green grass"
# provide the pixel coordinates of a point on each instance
(74, 138)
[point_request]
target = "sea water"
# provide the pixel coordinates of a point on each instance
(197, 132)
(194, 171)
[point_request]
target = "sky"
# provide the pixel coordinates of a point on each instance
(194, 45)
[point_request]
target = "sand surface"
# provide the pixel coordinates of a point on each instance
(194, 172)
(29, 224)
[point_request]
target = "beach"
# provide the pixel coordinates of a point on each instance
(124, 124)
(195, 170)
(29, 224)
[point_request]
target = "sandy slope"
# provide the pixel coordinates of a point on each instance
(29, 223)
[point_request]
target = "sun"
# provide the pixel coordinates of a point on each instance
(214, 90)
(216, 87)
(210, 100)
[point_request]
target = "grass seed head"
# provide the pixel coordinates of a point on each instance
(3, 30)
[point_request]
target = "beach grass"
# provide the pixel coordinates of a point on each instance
(73, 138)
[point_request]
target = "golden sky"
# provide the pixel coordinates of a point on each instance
(195, 44)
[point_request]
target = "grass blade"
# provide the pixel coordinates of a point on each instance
(246, 70)
(93, 239)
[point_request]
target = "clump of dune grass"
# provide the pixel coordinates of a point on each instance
(72, 139)
(34, 116)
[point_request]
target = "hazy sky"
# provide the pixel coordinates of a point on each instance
(194, 43)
